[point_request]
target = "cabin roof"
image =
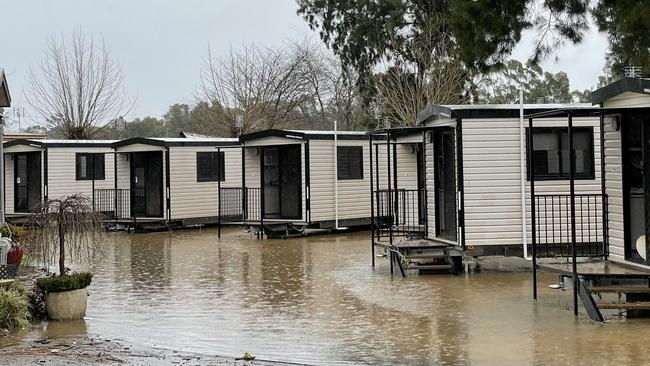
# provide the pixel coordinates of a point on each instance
(585, 112)
(634, 85)
(305, 135)
(489, 110)
(5, 97)
(177, 141)
(59, 143)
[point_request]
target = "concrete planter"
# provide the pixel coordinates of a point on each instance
(67, 305)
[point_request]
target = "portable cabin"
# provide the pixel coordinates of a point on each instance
(169, 181)
(477, 196)
(40, 169)
(294, 180)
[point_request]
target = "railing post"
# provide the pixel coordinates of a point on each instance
(572, 168)
(390, 203)
(531, 175)
(262, 192)
(603, 189)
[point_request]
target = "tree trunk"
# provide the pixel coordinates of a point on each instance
(61, 248)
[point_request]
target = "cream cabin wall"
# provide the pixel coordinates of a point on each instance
(353, 194)
(191, 198)
(492, 186)
(62, 177)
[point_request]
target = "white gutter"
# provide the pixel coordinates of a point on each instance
(336, 179)
(522, 168)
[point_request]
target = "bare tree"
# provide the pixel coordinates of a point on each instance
(432, 74)
(78, 88)
(65, 228)
(254, 88)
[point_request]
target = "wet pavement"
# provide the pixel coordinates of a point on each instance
(317, 300)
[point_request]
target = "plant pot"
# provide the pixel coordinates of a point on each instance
(15, 256)
(67, 305)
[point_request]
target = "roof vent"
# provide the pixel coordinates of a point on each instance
(633, 71)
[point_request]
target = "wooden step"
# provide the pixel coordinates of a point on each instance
(429, 266)
(425, 255)
(640, 305)
(620, 289)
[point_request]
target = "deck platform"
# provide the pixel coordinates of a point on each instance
(594, 269)
(414, 244)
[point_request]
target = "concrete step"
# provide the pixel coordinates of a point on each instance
(640, 305)
(620, 289)
(425, 254)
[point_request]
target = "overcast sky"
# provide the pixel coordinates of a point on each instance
(161, 44)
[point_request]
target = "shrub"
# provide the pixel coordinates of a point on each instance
(75, 281)
(16, 233)
(37, 304)
(14, 308)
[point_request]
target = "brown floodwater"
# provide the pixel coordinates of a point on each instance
(317, 300)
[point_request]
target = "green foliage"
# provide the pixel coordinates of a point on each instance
(75, 281)
(37, 305)
(628, 30)
(502, 87)
(16, 233)
(14, 308)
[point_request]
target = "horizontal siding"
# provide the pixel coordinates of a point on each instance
(492, 179)
(139, 147)
(614, 191)
(193, 199)
(61, 180)
(628, 99)
(353, 195)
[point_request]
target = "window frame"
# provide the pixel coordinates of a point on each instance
(559, 131)
(349, 174)
(91, 166)
(220, 174)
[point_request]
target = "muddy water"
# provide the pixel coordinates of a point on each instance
(317, 300)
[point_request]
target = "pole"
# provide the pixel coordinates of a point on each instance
(219, 177)
(533, 229)
(572, 168)
(390, 203)
(522, 169)
(336, 179)
(372, 207)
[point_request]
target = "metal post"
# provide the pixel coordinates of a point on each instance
(115, 210)
(572, 168)
(219, 177)
(93, 180)
(533, 231)
(390, 202)
(261, 234)
(244, 201)
(372, 207)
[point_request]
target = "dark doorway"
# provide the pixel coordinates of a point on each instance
(445, 183)
(27, 181)
(147, 184)
(635, 136)
(282, 182)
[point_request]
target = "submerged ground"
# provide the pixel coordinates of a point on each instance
(317, 300)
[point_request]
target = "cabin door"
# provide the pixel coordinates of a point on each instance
(146, 184)
(445, 183)
(27, 181)
(283, 182)
(635, 134)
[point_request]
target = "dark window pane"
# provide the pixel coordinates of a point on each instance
(210, 166)
(349, 162)
(551, 153)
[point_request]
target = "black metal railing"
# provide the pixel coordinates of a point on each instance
(240, 204)
(115, 204)
(402, 212)
(553, 225)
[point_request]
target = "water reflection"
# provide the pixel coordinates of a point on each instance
(316, 300)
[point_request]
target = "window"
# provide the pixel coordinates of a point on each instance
(349, 162)
(551, 153)
(210, 166)
(90, 166)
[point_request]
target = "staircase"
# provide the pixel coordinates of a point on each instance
(427, 256)
(630, 294)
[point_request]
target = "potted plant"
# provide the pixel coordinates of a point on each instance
(60, 230)
(16, 234)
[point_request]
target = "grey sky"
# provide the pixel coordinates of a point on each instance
(161, 44)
